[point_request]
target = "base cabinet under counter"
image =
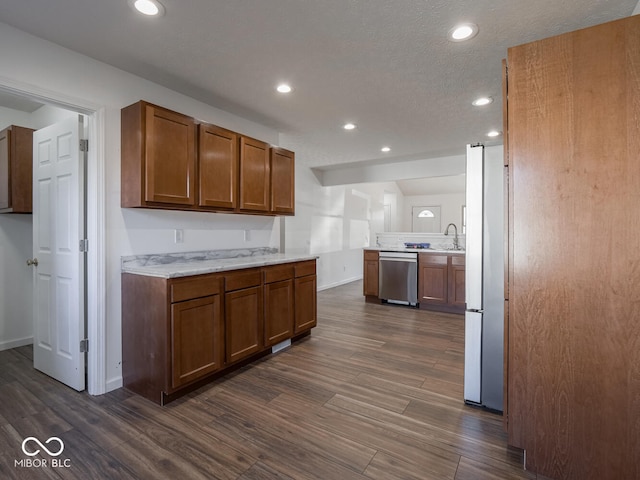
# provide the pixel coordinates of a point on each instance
(441, 282)
(243, 314)
(180, 333)
(370, 284)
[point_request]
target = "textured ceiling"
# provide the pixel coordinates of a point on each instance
(383, 64)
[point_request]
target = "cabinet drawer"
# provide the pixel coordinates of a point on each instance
(371, 254)
(457, 260)
(278, 273)
(245, 279)
(187, 289)
(432, 259)
(305, 268)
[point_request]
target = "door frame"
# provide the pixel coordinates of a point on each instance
(95, 274)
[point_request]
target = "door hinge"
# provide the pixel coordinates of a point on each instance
(84, 145)
(84, 245)
(84, 345)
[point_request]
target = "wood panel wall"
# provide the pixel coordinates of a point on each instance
(574, 275)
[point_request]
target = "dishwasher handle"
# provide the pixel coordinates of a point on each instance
(396, 259)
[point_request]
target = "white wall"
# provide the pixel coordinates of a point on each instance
(450, 211)
(16, 284)
(9, 116)
(335, 222)
(50, 68)
(636, 10)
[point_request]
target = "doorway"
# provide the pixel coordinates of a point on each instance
(95, 215)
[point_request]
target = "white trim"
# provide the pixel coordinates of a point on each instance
(96, 201)
(341, 282)
(114, 383)
(19, 342)
(96, 256)
(51, 97)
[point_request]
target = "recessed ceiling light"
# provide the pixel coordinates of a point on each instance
(493, 133)
(385, 149)
(479, 102)
(349, 126)
(151, 8)
(283, 88)
(463, 32)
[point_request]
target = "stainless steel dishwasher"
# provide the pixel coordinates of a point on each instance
(398, 277)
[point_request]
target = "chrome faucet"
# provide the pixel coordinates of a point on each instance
(455, 235)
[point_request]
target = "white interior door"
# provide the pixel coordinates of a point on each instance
(58, 227)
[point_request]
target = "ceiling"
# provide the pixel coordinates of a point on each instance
(385, 65)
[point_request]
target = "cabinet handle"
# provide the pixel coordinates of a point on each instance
(32, 263)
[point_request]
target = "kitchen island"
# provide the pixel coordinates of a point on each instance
(188, 318)
(440, 282)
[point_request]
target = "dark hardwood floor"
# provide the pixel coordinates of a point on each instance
(374, 393)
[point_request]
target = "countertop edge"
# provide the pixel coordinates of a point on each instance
(213, 266)
(415, 250)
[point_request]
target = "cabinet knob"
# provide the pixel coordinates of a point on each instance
(32, 263)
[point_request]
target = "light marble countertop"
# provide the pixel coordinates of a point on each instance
(177, 265)
(416, 250)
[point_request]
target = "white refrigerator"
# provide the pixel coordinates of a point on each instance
(484, 277)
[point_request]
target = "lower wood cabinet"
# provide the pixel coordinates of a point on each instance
(371, 273)
(305, 297)
(178, 333)
(243, 314)
(196, 339)
(278, 304)
(441, 282)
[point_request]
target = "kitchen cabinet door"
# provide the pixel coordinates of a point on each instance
(16, 170)
(158, 157)
(433, 279)
(196, 340)
(254, 175)
(305, 303)
(456, 287)
(278, 311)
(371, 270)
(282, 181)
(218, 167)
(243, 323)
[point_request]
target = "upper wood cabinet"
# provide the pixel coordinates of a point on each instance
(255, 180)
(158, 157)
(282, 181)
(16, 167)
(171, 161)
(218, 163)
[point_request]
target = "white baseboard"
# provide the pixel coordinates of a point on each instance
(20, 342)
(114, 383)
(337, 284)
